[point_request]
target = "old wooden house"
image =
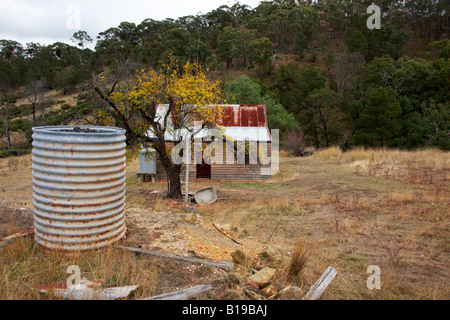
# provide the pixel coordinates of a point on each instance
(245, 125)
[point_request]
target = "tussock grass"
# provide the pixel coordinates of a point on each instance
(293, 271)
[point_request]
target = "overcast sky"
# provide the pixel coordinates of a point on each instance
(49, 21)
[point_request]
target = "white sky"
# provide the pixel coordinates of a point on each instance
(49, 21)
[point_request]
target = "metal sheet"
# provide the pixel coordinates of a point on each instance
(244, 116)
(78, 186)
(147, 160)
(238, 122)
(206, 196)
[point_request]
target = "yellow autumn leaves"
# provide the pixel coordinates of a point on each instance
(188, 92)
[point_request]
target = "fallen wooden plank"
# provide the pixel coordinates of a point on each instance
(182, 294)
(316, 291)
(23, 233)
(221, 265)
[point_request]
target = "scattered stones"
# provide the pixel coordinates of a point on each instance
(278, 285)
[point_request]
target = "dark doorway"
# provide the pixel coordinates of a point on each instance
(204, 171)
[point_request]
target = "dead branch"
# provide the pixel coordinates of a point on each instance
(226, 235)
(220, 265)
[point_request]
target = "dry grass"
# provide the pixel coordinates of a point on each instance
(24, 267)
(296, 266)
(353, 219)
(429, 166)
(348, 218)
(434, 158)
(15, 177)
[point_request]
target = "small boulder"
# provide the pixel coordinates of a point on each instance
(242, 258)
(270, 290)
(254, 294)
(272, 256)
(264, 277)
(289, 293)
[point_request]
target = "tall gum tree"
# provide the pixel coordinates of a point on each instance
(188, 95)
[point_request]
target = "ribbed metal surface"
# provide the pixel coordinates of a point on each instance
(147, 161)
(78, 186)
(244, 116)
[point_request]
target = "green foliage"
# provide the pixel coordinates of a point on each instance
(321, 116)
(259, 52)
(16, 111)
(270, 41)
(379, 120)
(20, 125)
(243, 90)
(294, 83)
(179, 44)
(443, 48)
(232, 46)
(356, 42)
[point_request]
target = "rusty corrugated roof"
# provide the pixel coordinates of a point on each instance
(239, 121)
(244, 116)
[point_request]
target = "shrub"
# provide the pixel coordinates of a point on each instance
(294, 143)
(20, 125)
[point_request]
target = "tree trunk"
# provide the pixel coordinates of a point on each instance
(173, 177)
(34, 114)
(174, 182)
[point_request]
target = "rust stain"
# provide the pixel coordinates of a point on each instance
(244, 116)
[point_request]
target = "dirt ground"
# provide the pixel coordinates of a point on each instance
(349, 220)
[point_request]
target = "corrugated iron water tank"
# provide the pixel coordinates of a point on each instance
(78, 186)
(147, 160)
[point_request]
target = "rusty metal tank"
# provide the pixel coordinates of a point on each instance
(78, 186)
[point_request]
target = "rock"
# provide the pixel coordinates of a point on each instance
(191, 209)
(263, 277)
(279, 286)
(289, 293)
(254, 294)
(270, 290)
(252, 284)
(240, 257)
(272, 256)
(259, 265)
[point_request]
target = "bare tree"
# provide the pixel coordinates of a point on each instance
(35, 94)
(346, 68)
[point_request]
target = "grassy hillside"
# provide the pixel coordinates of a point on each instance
(322, 73)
